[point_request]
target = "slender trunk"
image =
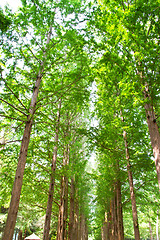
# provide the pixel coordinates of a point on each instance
(113, 224)
(66, 162)
(112, 220)
(52, 181)
(104, 231)
(86, 231)
(25, 234)
(60, 228)
(133, 199)
(63, 210)
(119, 212)
(50, 196)
(16, 191)
(114, 217)
(71, 229)
(112, 232)
(157, 225)
(83, 228)
(20, 235)
(109, 224)
(115, 236)
(153, 131)
(76, 220)
(152, 125)
(150, 229)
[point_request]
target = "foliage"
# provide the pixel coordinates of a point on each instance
(109, 42)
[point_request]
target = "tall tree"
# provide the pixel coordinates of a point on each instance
(14, 204)
(131, 186)
(52, 179)
(131, 31)
(40, 45)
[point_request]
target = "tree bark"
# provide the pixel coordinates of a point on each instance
(115, 217)
(52, 180)
(20, 235)
(60, 228)
(16, 191)
(133, 199)
(157, 226)
(83, 228)
(86, 231)
(112, 236)
(25, 234)
(71, 229)
(76, 220)
(63, 210)
(150, 230)
(152, 124)
(109, 224)
(119, 212)
(113, 225)
(104, 230)
(66, 162)
(153, 131)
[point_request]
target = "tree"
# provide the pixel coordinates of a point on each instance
(50, 55)
(134, 40)
(40, 44)
(52, 179)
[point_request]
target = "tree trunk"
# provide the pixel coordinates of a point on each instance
(119, 212)
(20, 235)
(63, 210)
(109, 224)
(76, 220)
(115, 217)
(113, 225)
(52, 181)
(157, 225)
(65, 163)
(86, 231)
(83, 233)
(150, 230)
(104, 231)
(60, 228)
(153, 131)
(16, 191)
(112, 220)
(71, 229)
(133, 199)
(25, 234)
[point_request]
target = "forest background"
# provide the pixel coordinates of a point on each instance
(80, 79)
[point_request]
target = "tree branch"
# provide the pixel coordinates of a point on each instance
(13, 107)
(13, 93)
(69, 87)
(33, 53)
(1, 115)
(10, 142)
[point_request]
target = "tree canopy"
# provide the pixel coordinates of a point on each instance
(79, 78)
